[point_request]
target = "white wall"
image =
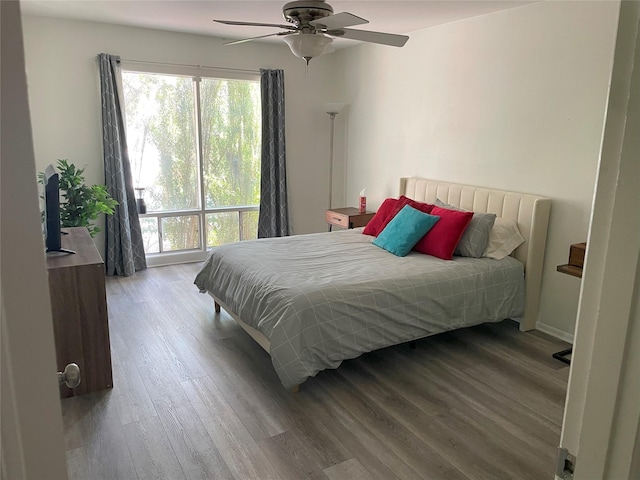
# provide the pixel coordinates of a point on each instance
(512, 100)
(64, 94)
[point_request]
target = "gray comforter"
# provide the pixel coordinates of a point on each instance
(327, 297)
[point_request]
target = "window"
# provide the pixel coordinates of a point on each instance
(194, 147)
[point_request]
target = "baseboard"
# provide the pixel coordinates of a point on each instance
(554, 332)
(163, 260)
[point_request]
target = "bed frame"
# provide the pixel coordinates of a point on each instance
(530, 212)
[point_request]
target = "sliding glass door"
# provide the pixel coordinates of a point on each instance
(194, 147)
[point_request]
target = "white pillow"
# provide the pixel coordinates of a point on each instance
(503, 239)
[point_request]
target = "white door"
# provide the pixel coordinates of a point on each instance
(32, 438)
(602, 414)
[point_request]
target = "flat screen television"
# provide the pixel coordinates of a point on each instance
(52, 231)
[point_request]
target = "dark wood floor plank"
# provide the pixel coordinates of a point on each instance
(393, 435)
(380, 461)
(291, 457)
(151, 451)
(158, 377)
(240, 452)
(540, 368)
(350, 469)
(78, 465)
(74, 414)
(537, 347)
(298, 413)
(133, 400)
(194, 397)
(242, 389)
(462, 390)
(94, 420)
(301, 415)
(133, 288)
(191, 443)
(181, 358)
(508, 453)
(166, 334)
(529, 390)
(496, 409)
(162, 371)
(475, 460)
(195, 314)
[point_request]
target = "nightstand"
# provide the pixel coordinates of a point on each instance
(348, 217)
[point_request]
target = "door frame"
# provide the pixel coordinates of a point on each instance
(602, 412)
(32, 442)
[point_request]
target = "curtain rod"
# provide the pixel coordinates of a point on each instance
(256, 72)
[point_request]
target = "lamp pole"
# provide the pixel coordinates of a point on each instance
(332, 116)
(332, 110)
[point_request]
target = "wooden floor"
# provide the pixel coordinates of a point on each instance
(195, 398)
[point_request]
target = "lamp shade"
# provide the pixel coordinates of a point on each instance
(308, 45)
(333, 107)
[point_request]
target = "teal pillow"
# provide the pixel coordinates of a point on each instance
(405, 230)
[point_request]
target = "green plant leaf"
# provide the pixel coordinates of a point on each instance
(80, 204)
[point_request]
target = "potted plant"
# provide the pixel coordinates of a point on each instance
(80, 204)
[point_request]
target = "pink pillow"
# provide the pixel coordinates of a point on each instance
(442, 239)
(402, 201)
(379, 220)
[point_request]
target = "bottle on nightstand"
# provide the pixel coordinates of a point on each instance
(363, 201)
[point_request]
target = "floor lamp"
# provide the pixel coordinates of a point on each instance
(332, 109)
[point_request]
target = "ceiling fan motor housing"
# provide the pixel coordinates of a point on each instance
(301, 12)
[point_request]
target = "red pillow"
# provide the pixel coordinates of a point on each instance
(442, 239)
(379, 220)
(402, 201)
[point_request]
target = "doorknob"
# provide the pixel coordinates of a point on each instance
(70, 377)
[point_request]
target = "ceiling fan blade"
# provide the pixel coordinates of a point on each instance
(236, 42)
(372, 37)
(339, 20)
(256, 24)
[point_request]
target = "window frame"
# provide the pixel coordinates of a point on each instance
(196, 73)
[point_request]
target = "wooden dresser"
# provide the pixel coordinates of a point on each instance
(79, 309)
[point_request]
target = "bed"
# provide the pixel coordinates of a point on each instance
(312, 301)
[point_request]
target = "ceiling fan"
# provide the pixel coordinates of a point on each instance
(314, 25)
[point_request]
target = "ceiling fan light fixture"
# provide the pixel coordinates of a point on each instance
(313, 27)
(308, 45)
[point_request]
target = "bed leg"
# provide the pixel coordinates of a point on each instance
(412, 344)
(216, 306)
(295, 389)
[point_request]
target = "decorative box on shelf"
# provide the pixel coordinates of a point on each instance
(576, 260)
(576, 254)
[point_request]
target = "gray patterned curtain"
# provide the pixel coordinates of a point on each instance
(124, 249)
(274, 216)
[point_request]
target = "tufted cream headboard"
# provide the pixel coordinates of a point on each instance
(530, 212)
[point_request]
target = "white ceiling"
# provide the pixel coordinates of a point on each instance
(195, 16)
